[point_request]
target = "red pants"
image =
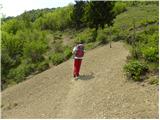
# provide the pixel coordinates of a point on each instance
(77, 65)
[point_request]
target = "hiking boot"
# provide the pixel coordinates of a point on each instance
(76, 78)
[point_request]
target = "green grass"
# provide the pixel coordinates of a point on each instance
(137, 14)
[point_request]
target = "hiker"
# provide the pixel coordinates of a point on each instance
(78, 53)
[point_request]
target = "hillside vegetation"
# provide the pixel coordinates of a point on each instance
(39, 39)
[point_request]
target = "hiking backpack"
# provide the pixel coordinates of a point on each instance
(80, 51)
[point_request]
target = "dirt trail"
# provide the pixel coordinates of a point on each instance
(101, 92)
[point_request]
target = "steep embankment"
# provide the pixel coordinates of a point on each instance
(101, 92)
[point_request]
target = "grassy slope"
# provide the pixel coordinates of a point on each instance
(139, 14)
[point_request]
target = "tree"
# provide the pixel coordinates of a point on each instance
(78, 12)
(34, 51)
(99, 13)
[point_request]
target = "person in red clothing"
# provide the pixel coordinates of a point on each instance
(78, 53)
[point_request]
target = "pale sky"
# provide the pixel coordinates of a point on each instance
(17, 7)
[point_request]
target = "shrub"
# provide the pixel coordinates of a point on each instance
(153, 29)
(149, 47)
(57, 46)
(18, 74)
(80, 39)
(150, 54)
(135, 52)
(90, 46)
(119, 7)
(87, 36)
(102, 37)
(59, 19)
(141, 37)
(57, 58)
(57, 35)
(42, 66)
(34, 50)
(135, 70)
(67, 52)
(12, 45)
(119, 33)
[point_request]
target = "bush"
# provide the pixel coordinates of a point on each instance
(145, 22)
(150, 54)
(42, 66)
(135, 52)
(59, 19)
(87, 36)
(57, 46)
(153, 30)
(149, 46)
(141, 37)
(102, 37)
(119, 33)
(135, 70)
(34, 50)
(18, 74)
(119, 7)
(57, 58)
(12, 45)
(57, 35)
(67, 52)
(90, 46)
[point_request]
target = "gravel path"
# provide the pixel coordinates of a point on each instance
(101, 92)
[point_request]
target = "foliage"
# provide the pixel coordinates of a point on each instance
(32, 15)
(57, 58)
(67, 52)
(57, 46)
(120, 7)
(150, 54)
(18, 74)
(42, 66)
(102, 36)
(135, 70)
(97, 14)
(92, 45)
(6, 64)
(12, 26)
(34, 51)
(148, 45)
(11, 44)
(87, 36)
(59, 19)
(78, 12)
(141, 3)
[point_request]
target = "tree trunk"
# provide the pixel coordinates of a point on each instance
(96, 32)
(110, 38)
